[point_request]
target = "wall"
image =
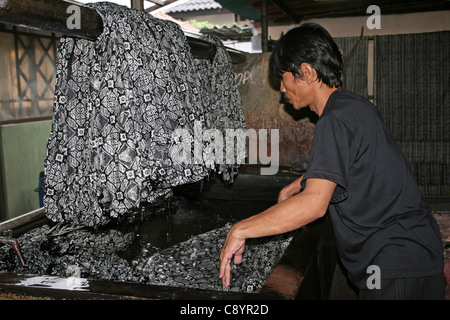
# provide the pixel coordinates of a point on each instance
(390, 24)
(22, 148)
(217, 17)
(27, 68)
(8, 95)
(430, 168)
(263, 110)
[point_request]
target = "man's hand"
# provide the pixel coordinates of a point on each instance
(294, 212)
(234, 246)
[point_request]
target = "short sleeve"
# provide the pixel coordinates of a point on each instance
(330, 156)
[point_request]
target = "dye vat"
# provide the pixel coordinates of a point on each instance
(176, 246)
(171, 251)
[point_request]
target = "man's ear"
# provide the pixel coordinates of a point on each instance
(309, 74)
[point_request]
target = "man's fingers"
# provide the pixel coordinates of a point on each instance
(226, 276)
(225, 272)
(238, 255)
(232, 247)
(223, 265)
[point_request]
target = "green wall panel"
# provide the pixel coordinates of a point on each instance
(22, 148)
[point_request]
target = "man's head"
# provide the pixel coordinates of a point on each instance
(309, 44)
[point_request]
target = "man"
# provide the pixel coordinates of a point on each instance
(357, 172)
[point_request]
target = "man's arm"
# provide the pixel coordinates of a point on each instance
(290, 214)
(290, 190)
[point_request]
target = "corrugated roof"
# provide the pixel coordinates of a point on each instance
(195, 5)
(185, 26)
(236, 32)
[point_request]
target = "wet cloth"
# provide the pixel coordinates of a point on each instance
(65, 251)
(223, 111)
(118, 101)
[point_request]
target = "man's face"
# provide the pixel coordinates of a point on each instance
(296, 91)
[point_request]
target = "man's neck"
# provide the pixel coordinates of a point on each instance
(321, 96)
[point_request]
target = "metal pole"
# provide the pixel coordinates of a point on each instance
(264, 27)
(137, 4)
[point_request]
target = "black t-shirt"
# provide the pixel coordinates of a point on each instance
(377, 212)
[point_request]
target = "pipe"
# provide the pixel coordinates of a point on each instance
(32, 217)
(15, 245)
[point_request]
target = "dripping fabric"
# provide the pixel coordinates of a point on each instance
(223, 104)
(117, 102)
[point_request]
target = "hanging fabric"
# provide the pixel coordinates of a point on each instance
(412, 81)
(118, 101)
(354, 55)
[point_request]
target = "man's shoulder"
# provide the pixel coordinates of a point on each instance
(344, 104)
(347, 98)
(352, 110)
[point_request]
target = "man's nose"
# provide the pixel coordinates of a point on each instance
(282, 88)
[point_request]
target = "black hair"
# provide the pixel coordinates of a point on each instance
(312, 44)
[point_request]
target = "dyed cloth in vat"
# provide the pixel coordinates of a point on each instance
(64, 251)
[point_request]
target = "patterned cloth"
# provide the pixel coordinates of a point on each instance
(118, 102)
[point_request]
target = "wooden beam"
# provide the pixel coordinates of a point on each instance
(285, 10)
(264, 27)
(137, 4)
(50, 15)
